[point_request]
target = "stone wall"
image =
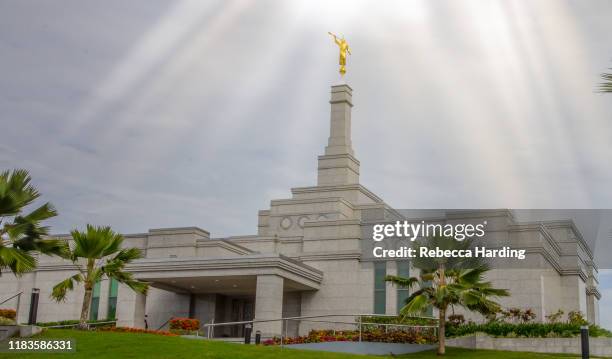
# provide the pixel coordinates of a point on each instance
(598, 346)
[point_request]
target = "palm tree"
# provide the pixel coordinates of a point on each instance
(606, 86)
(448, 281)
(21, 234)
(97, 254)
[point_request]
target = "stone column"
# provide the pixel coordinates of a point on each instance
(130, 307)
(338, 166)
(269, 304)
(341, 102)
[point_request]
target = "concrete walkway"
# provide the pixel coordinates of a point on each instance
(371, 348)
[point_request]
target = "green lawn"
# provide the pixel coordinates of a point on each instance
(129, 345)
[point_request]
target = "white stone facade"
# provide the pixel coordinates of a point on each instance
(305, 260)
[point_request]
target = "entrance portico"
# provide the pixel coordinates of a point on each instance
(227, 289)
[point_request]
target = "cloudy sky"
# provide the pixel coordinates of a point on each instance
(148, 114)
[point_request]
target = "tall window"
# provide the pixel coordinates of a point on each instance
(403, 270)
(380, 287)
(113, 288)
(95, 302)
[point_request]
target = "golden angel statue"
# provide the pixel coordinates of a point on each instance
(344, 49)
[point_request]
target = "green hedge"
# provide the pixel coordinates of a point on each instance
(398, 320)
(72, 322)
(531, 330)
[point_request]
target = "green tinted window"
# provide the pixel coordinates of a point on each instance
(96, 290)
(403, 270)
(380, 288)
(380, 299)
(380, 271)
(113, 289)
(95, 302)
(402, 296)
(112, 308)
(95, 305)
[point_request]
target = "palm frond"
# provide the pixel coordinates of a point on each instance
(56, 247)
(401, 281)
(16, 192)
(474, 275)
(62, 288)
(93, 242)
(17, 260)
(41, 213)
(417, 303)
(115, 241)
(128, 279)
(128, 255)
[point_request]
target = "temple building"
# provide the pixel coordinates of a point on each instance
(306, 260)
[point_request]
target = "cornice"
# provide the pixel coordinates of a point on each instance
(245, 262)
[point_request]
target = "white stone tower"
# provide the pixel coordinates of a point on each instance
(338, 166)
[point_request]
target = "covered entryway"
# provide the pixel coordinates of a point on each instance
(220, 290)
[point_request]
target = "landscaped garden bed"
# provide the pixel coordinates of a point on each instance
(527, 330)
(413, 336)
(184, 326)
(517, 323)
(7, 317)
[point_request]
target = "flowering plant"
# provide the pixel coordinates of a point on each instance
(184, 324)
(8, 313)
(414, 335)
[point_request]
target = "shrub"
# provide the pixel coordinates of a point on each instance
(527, 315)
(456, 319)
(136, 330)
(8, 313)
(398, 320)
(555, 317)
(518, 315)
(597, 331)
(576, 317)
(414, 335)
(184, 324)
(6, 321)
(373, 322)
(529, 330)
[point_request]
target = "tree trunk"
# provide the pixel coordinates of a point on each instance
(442, 332)
(442, 314)
(85, 308)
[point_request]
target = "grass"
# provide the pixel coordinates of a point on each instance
(131, 345)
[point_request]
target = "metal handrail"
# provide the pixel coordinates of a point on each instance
(309, 317)
(18, 295)
(11, 297)
(360, 323)
(76, 324)
(166, 322)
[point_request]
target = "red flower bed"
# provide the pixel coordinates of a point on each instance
(376, 335)
(184, 324)
(8, 313)
(136, 330)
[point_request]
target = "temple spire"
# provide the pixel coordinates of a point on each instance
(338, 166)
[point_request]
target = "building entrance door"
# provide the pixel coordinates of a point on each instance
(243, 309)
